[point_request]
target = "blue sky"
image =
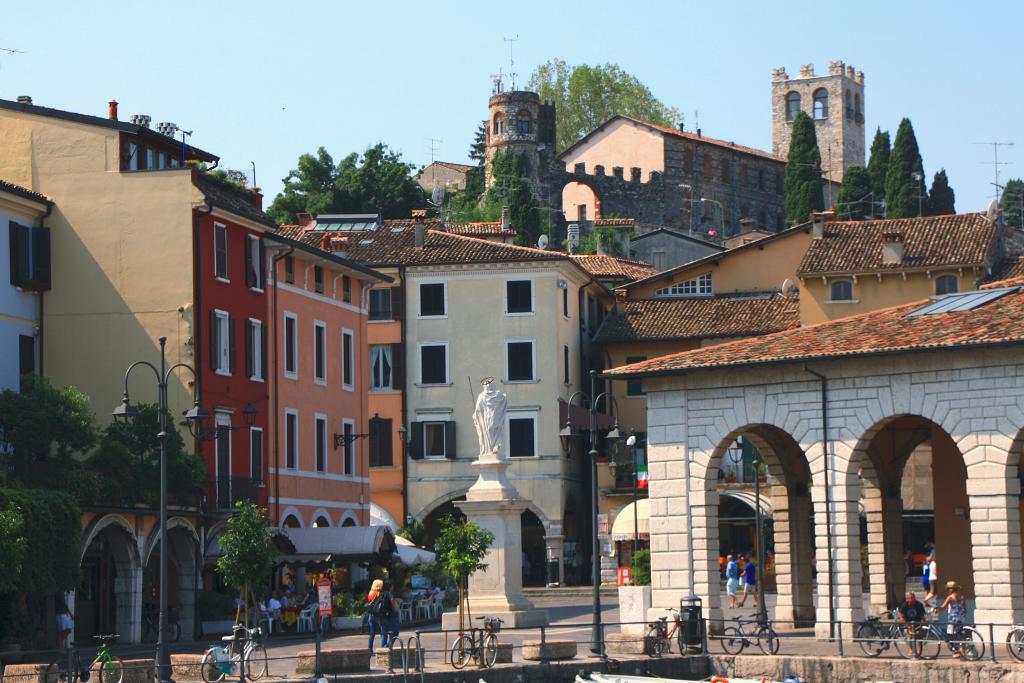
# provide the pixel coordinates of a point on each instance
(266, 81)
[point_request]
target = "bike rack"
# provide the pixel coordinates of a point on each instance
(410, 646)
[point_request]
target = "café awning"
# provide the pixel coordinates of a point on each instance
(315, 545)
(411, 554)
(622, 527)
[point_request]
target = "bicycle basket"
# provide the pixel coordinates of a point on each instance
(494, 624)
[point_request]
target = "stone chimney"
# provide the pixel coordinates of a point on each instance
(339, 246)
(506, 218)
(420, 230)
(24, 99)
(892, 248)
(112, 110)
(305, 219)
(818, 221)
(747, 225)
(142, 120)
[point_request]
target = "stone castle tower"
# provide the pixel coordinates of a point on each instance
(836, 104)
(517, 120)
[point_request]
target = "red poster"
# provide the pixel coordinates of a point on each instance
(323, 593)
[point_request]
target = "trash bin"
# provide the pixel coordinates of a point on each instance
(553, 578)
(691, 614)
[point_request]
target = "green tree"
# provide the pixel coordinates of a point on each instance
(804, 190)
(414, 531)
(465, 205)
(640, 571)
(854, 201)
(1012, 203)
(904, 191)
(307, 188)
(878, 166)
(13, 546)
(247, 552)
(511, 188)
(586, 96)
(941, 198)
(461, 547)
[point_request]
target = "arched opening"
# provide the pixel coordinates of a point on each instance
(106, 600)
(857, 113)
(576, 545)
(821, 103)
(291, 522)
(792, 105)
(499, 123)
(524, 122)
(533, 549)
(580, 202)
(182, 583)
(321, 522)
(432, 521)
(349, 522)
(848, 101)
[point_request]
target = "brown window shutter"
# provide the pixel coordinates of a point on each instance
(262, 270)
(384, 440)
(214, 342)
(449, 440)
(397, 367)
(396, 302)
(416, 443)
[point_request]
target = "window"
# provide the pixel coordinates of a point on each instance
(946, 284)
(724, 171)
(520, 361)
(688, 159)
(223, 463)
(220, 249)
(707, 166)
(565, 300)
(519, 296)
(319, 352)
(380, 304)
(133, 157)
(432, 439)
(289, 270)
(256, 454)
(698, 286)
(521, 442)
(658, 259)
(253, 262)
(346, 289)
(635, 387)
(842, 290)
(760, 179)
(849, 105)
(566, 373)
(432, 300)
(291, 346)
(792, 105)
(30, 257)
(348, 431)
(320, 441)
(26, 355)
(222, 343)
(291, 439)
(381, 367)
(524, 124)
(380, 442)
(821, 103)
(318, 279)
(499, 124)
(858, 115)
(255, 350)
(433, 364)
(347, 380)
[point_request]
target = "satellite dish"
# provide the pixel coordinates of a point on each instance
(542, 242)
(993, 210)
(789, 288)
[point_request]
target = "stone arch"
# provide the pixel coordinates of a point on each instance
(320, 514)
(291, 513)
(183, 576)
(101, 522)
(348, 518)
(153, 537)
(578, 192)
(792, 104)
(111, 580)
(820, 99)
(446, 497)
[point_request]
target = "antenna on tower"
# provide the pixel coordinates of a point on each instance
(995, 163)
(511, 59)
(434, 142)
(498, 85)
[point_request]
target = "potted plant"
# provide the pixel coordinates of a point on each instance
(635, 598)
(348, 613)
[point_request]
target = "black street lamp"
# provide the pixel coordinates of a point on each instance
(613, 466)
(196, 418)
(567, 435)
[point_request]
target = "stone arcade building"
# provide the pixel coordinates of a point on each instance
(871, 389)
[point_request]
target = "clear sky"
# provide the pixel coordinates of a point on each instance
(264, 82)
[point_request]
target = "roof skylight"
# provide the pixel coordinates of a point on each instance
(962, 301)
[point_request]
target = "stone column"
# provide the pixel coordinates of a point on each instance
(845, 572)
(795, 590)
(886, 567)
(554, 545)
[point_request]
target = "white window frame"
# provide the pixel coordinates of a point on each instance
(320, 379)
(533, 361)
(345, 422)
(437, 419)
(350, 351)
(521, 415)
(252, 241)
(533, 297)
(263, 453)
(318, 420)
(419, 299)
(447, 364)
(385, 351)
(223, 342)
(379, 291)
(291, 412)
(294, 356)
(258, 330)
(702, 285)
(220, 229)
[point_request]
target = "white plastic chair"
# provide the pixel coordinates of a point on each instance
(423, 609)
(405, 611)
(306, 619)
(268, 617)
(437, 605)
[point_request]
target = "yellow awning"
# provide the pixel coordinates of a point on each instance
(622, 527)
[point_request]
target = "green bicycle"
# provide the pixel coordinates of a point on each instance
(69, 669)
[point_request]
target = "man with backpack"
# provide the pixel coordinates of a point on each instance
(381, 608)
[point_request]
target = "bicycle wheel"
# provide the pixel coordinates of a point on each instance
(971, 644)
(908, 642)
(767, 640)
(1014, 643)
(651, 645)
(210, 672)
(681, 641)
(256, 662)
(869, 639)
(732, 641)
(112, 670)
(931, 641)
(57, 672)
(462, 651)
(490, 650)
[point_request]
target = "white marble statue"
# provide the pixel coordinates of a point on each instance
(489, 417)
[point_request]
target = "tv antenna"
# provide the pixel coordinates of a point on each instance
(511, 59)
(434, 146)
(497, 86)
(12, 51)
(995, 163)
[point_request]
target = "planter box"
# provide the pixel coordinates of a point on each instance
(333, 661)
(634, 604)
(551, 650)
(347, 623)
(24, 673)
(217, 628)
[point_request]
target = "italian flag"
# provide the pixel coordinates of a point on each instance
(641, 476)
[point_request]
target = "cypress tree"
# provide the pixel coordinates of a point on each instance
(941, 198)
(878, 166)
(1012, 203)
(902, 189)
(804, 191)
(854, 202)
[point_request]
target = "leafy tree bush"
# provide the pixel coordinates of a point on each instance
(461, 547)
(414, 531)
(941, 198)
(511, 187)
(640, 572)
(1012, 203)
(854, 201)
(247, 552)
(804, 190)
(13, 545)
(902, 189)
(51, 526)
(878, 167)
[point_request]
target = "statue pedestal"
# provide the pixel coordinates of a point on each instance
(494, 504)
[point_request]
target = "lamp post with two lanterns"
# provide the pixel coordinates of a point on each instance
(196, 418)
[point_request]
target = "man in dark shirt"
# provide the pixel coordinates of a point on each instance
(912, 611)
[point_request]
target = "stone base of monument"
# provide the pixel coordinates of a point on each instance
(527, 618)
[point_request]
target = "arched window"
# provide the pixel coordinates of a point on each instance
(291, 522)
(946, 284)
(821, 103)
(499, 123)
(792, 105)
(524, 124)
(724, 170)
(857, 113)
(707, 166)
(321, 522)
(349, 522)
(842, 290)
(849, 105)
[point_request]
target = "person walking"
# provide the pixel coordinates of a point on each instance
(749, 582)
(933, 581)
(380, 607)
(956, 611)
(732, 579)
(65, 621)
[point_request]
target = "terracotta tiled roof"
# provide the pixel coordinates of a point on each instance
(929, 242)
(479, 229)
(455, 167)
(699, 318)
(612, 222)
(884, 331)
(606, 268)
(237, 201)
(1012, 266)
(24, 192)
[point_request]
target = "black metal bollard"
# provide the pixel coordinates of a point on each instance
(316, 659)
(543, 645)
(992, 640)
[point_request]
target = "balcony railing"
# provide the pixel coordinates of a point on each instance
(231, 490)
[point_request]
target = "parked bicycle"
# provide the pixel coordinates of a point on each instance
(735, 639)
(243, 646)
(876, 636)
(963, 640)
(151, 624)
(1015, 642)
(69, 669)
(481, 644)
(659, 636)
